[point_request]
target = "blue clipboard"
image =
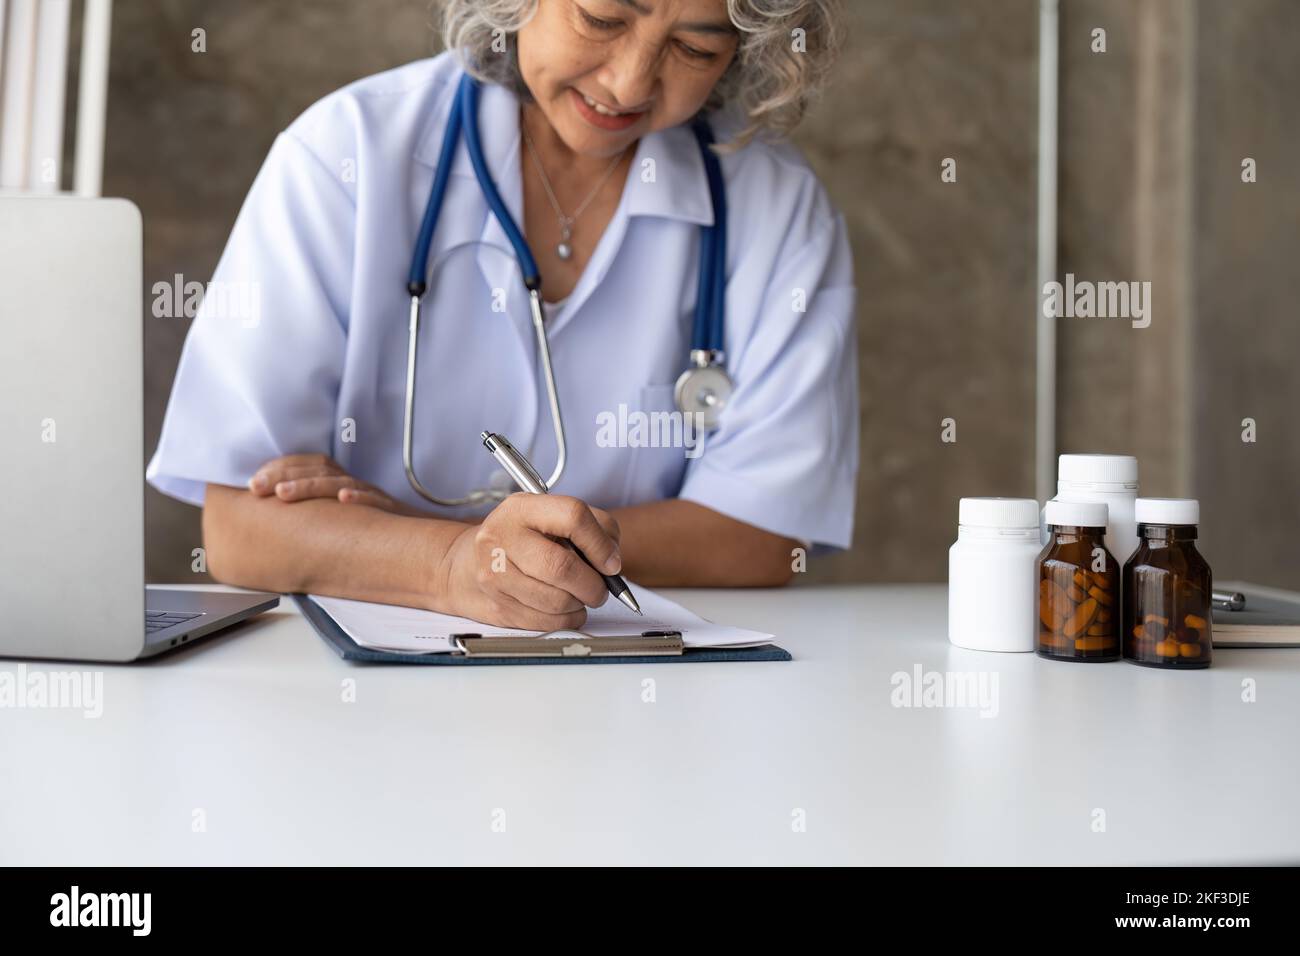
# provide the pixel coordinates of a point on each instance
(350, 650)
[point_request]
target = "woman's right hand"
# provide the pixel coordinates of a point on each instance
(511, 570)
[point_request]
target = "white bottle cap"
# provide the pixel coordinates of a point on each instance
(1167, 511)
(1089, 470)
(1080, 514)
(1009, 513)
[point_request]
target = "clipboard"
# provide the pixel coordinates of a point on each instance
(350, 650)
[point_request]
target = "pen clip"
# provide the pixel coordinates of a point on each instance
(527, 467)
(518, 467)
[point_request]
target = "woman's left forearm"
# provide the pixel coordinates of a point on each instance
(677, 543)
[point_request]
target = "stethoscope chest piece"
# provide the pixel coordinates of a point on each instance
(703, 391)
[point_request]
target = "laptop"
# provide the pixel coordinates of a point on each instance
(72, 443)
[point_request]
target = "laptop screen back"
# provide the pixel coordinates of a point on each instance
(71, 429)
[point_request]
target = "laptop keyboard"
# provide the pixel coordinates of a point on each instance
(160, 620)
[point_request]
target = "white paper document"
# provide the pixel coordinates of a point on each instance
(410, 630)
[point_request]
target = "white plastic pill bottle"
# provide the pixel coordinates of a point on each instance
(993, 575)
(1111, 480)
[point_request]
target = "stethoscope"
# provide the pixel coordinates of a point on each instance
(701, 391)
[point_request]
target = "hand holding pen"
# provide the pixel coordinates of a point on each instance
(515, 567)
(529, 480)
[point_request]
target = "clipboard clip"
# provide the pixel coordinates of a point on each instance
(645, 644)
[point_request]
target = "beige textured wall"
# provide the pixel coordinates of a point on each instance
(1125, 212)
(1247, 239)
(945, 271)
(1153, 135)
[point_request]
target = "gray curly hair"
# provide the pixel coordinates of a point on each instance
(772, 79)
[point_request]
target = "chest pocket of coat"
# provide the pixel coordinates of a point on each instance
(657, 445)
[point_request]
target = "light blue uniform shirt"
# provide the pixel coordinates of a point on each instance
(300, 344)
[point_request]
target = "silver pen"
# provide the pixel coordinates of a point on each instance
(528, 479)
(1228, 600)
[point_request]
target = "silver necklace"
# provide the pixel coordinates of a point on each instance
(564, 248)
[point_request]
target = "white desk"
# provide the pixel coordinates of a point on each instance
(251, 729)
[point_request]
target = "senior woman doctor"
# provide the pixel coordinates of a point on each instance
(288, 429)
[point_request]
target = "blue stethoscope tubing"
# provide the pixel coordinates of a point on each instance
(464, 119)
(709, 308)
(704, 385)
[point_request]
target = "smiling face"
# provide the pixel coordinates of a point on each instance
(607, 72)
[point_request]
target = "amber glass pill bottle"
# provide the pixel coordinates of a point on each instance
(1078, 586)
(1166, 619)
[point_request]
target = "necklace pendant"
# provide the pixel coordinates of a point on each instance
(564, 250)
